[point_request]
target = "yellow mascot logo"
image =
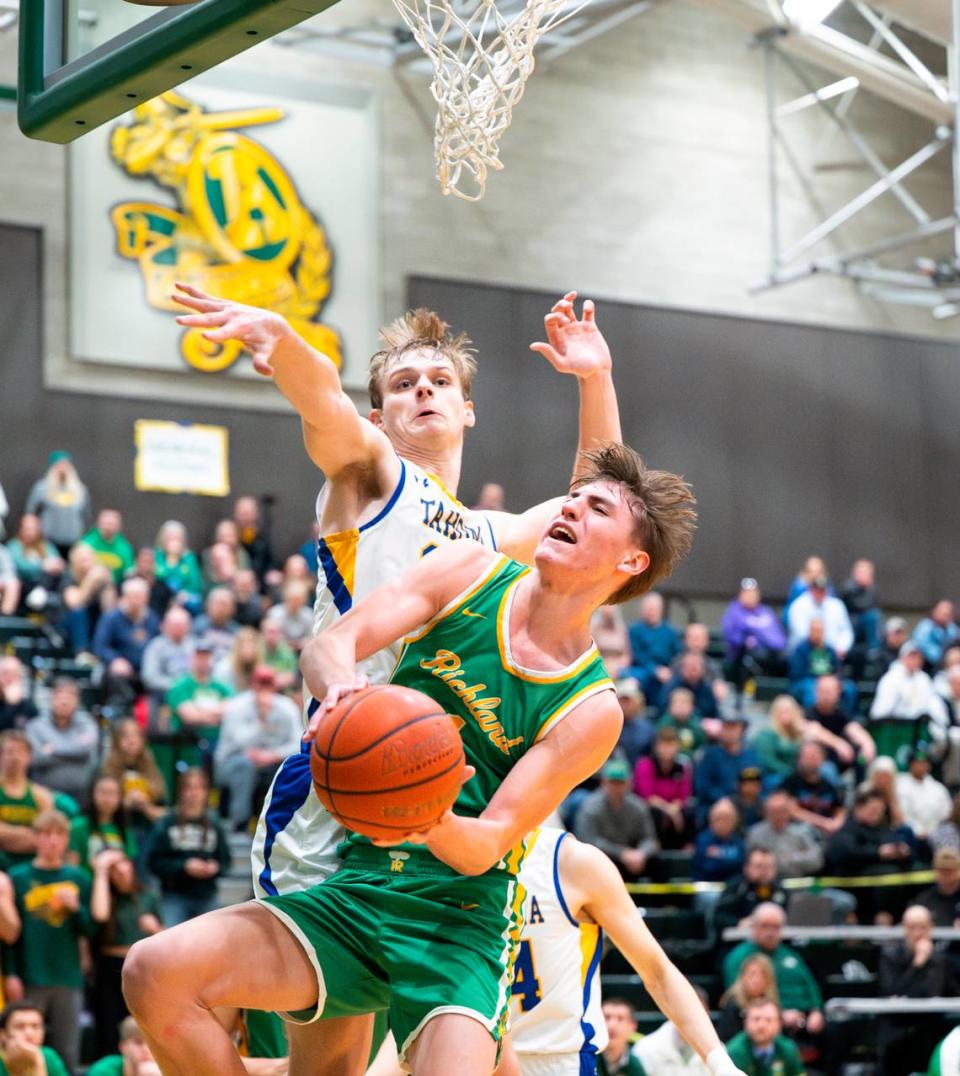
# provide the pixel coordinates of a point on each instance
(239, 231)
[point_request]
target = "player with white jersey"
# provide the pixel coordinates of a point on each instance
(574, 895)
(387, 502)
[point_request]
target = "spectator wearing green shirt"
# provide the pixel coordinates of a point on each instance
(778, 745)
(177, 566)
(134, 1056)
(799, 993)
(21, 800)
(279, 655)
(103, 825)
(109, 544)
(681, 716)
(125, 911)
(22, 1050)
(760, 1049)
(197, 701)
(53, 902)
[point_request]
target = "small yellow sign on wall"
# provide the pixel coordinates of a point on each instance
(181, 457)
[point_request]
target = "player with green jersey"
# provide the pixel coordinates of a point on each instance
(427, 928)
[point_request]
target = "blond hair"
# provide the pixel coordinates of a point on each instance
(662, 504)
(416, 329)
(770, 993)
(51, 819)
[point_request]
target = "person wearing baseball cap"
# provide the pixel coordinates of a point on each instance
(943, 897)
(61, 501)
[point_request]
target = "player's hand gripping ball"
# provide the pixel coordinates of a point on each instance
(387, 761)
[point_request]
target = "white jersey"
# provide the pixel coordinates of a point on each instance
(295, 845)
(555, 999)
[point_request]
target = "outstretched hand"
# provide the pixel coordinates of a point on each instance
(574, 345)
(335, 695)
(260, 331)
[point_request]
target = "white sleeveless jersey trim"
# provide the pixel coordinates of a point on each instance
(296, 840)
(555, 1007)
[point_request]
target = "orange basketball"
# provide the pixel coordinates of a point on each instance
(387, 761)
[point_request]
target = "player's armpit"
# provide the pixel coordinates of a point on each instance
(570, 753)
(518, 534)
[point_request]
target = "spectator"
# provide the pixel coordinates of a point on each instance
(696, 640)
(925, 802)
(53, 902)
(636, 737)
(681, 717)
(654, 643)
(121, 638)
(692, 675)
(297, 570)
(760, 1049)
(843, 736)
(61, 501)
(777, 745)
(864, 844)
(794, 844)
(718, 770)
(610, 634)
(906, 711)
(936, 632)
(912, 968)
(145, 567)
(665, 782)
(225, 534)
(942, 899)
(753, 634)
(756, 981)
(616, 1058)
(817, 604)
(664, 1052)
(309, 550)
(491, 499)
(110, 545)
(39, 566)
(259, 729)
(799, 993)
(235, 671)
(130, 760)
(950, 694)
(248, 606)
(745, 892)
(10, 585)
(87, 593)
(220, 567)
(16, 708)
(618, 822)
(21, 800)
(177, 566)
(124, 912)
(279, 655)
(813, 568)
(102, 826)
(65, 743)
(894, 636)
(133, 1058)
(22, 1037)
(817, 801)
(294, 614)
(749, 797)
(718, 852)
(947, 834)
(187, 850)
(166, 658)
(951, 660)
(882, 777)
(812, 659)
(253, 539)
(859, 595)
(216, 625)
(197, 702)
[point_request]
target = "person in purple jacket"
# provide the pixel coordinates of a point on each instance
(754, 635)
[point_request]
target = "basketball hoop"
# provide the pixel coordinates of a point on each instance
(481, 60)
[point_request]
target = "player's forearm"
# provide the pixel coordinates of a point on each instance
(599, 415)
(308, 378)
(469, 845)
(677, 1000)
(329, 658)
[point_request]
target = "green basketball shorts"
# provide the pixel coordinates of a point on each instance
(401, 932)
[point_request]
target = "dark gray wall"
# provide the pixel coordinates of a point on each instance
(796, 439)
(266, 453)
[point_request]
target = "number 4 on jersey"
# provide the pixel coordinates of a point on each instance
(526, 985)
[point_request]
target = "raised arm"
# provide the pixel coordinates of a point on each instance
(574, 346)
(605, 901)
(335, 435)
(573, 750)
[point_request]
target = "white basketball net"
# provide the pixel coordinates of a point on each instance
(481, 60)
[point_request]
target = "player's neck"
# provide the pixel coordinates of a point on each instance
(555, 622)
(444, 464)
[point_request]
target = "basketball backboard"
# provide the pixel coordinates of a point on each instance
(84, 62)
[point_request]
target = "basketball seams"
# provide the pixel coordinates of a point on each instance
(333, 735)
(328, 758)
(459, 761)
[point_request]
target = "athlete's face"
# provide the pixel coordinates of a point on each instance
(594, 535)
(423, 402)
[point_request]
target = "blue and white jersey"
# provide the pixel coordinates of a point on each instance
(296, 841)
(555, 1005)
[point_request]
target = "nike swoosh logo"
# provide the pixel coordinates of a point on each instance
(464, 907)
(479, 616)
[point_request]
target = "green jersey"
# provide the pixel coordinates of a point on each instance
(186, 689)
(55, 1066)
(116, 554)
(462, 659)
(107, 1066)
(48, 950)
(18, 811)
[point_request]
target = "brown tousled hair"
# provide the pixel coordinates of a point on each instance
(663, 506)
(421, 328)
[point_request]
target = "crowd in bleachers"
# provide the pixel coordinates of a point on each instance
(147, 695)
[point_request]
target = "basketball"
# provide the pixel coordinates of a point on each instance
(387, 761)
